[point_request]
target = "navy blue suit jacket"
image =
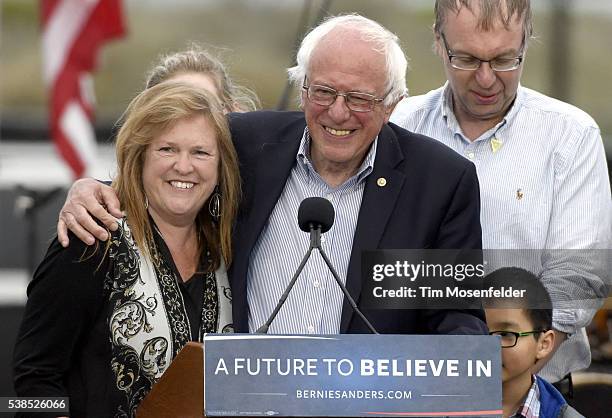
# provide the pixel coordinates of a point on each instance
(431, 200)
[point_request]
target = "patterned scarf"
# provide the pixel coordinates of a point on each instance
(148, 323)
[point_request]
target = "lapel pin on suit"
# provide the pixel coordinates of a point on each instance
(382, 182)
(519, 194)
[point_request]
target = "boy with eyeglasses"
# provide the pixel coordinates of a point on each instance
(524, 326)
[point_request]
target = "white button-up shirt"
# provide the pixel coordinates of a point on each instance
(544, 186)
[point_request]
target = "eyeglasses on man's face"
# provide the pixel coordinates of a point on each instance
(355, 100)
(510, 338)
(470, 63)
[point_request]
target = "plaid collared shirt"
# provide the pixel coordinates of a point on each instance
(531, 405)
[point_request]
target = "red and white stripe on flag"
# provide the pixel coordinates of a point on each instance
(73, 32)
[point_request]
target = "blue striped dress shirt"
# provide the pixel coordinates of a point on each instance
(314, 306)
(544, 185)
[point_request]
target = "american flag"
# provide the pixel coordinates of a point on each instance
(73, 33)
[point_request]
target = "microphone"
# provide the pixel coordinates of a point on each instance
(315, 212)
(316, 216)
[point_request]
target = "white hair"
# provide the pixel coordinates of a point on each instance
(384, 42)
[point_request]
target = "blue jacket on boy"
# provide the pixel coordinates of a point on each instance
(552, 403)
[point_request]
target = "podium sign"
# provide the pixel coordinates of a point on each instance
(352, 375)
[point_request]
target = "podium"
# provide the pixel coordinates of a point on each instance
(180, 390)
(344, 375)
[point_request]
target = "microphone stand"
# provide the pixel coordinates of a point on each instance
(264, 328)
(315, 243)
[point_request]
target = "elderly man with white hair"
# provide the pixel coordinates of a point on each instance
(390, 189)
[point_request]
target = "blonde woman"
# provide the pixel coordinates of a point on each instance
(101, 325)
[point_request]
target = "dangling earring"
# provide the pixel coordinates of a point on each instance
(214, 204)
(146, 203)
